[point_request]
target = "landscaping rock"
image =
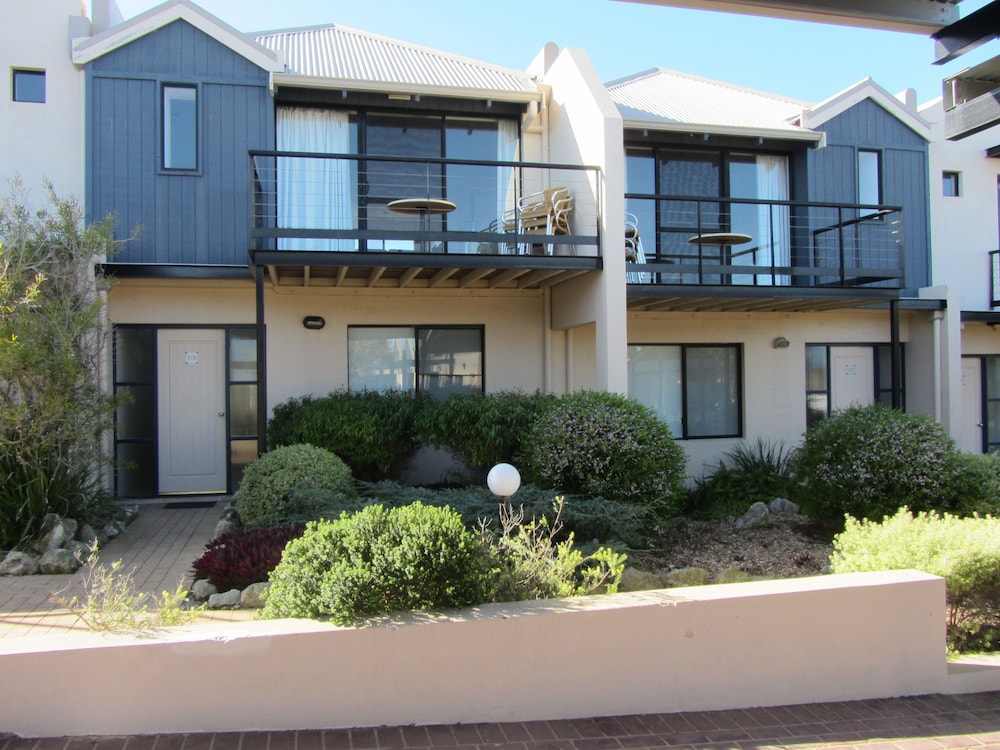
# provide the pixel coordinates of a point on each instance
(229, 522)
(685, 577)
(59, 561)
(126, 514)
(639, 580)
(757, 515)
(87, 534)
(201, 590)
(56, 531)
(253, 595)
(228, 600)
(732, 575)
(782, 505)
(19, 564)
(113, 528)
(80, 550)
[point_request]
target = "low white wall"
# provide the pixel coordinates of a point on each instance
(865, 635)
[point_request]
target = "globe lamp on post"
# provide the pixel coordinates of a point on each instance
(503, 480)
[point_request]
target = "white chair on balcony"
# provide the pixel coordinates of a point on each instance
(543, 213)
(633, 251)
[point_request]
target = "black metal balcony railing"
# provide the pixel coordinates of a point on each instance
(994, 278)
(348, 203)
(745, 242)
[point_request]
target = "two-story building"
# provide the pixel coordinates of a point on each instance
(324, 208)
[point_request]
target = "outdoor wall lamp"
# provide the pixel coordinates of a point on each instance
(313, 322)
(780, 343)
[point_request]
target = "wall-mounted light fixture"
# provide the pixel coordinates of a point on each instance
(313, 322)
(780, 343)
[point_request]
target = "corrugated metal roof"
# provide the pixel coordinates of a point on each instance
(342, 53)
(666, 97)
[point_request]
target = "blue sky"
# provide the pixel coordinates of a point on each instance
(802, 60)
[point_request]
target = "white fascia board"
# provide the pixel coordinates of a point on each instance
(865, 89)
(388, 87)
(698, 129)
(85, 50)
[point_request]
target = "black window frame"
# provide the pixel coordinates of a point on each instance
(33, 73)
(480, 328)
(685, 406)
(881, 375)
(164, 130)
(951, 183)
(879, 176)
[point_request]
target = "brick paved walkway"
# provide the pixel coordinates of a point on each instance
(923, 723)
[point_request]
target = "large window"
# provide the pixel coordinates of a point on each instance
(695, 388)
(180, 127)
(28, 86)
(439, 360)
(729, 175)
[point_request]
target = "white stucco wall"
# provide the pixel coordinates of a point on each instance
(774, 380)
(42, 141)
(963, 229)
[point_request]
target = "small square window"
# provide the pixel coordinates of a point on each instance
(950, 184)
(29, 86)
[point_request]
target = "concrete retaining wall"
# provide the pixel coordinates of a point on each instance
(716, 647)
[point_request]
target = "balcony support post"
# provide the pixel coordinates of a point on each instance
(261, 362)
(896, 355)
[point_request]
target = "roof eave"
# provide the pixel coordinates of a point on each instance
(728, 130)
(412, 89)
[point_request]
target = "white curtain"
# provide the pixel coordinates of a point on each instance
(654, 379)
(507, 131)
(773, 221)
(315, 193)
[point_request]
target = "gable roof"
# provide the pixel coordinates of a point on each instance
(85, 50)
(661, 99)
(839, 103)
(333, 56)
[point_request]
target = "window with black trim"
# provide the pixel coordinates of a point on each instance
(438, 360)
(180, 127)
(696, 389)
(950, 184)
(28, 85)
(869, 177)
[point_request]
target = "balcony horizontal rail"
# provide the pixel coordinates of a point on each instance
(994, 278)
(369, 203)
(757, 242)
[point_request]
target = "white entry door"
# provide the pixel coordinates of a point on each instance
(192, 410)
(852, 381)
(971, 439)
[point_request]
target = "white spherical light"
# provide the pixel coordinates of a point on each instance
(503, 480)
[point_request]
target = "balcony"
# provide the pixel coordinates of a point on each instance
(343, 220)
(744, 255)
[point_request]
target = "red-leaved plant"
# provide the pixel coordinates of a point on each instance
(239, 558)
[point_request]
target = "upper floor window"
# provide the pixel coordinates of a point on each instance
(695, 388)
(950, 184)
(180, 127)
(28, 86)
(869, 177)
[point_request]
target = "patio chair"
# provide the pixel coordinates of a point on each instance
(633, 250)
(544, 213)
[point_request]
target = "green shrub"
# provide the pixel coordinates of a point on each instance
(604, 444)
(376, 561)
(295, 483)
(747, 474)
(527, 562)
(483, 428)
(963, 551)
(371, 431)
(588, 518)
(868, 461)
(975, 484)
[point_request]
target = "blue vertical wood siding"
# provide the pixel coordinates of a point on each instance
(905, 177)
(198, 217)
